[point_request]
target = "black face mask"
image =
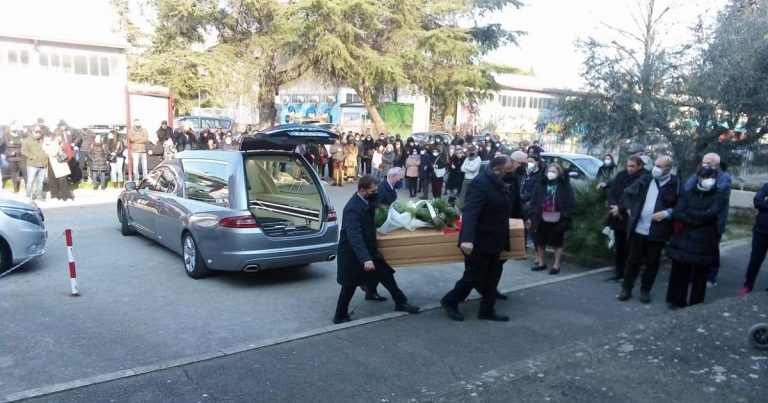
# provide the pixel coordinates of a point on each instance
(372, 197)
(509, 178)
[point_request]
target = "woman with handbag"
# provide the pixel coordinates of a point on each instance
(116, 158)
(694, 246)
(438, 162)
(58, 168)
(549, 215)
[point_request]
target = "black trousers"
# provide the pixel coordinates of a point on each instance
(366, 165)
(759, 248)
(16, 172)
(385, 277)
(642, 252)
(677, 291)
(424, 182)
(59, 187)
(481, 272)
(620, 243)
(413, 185)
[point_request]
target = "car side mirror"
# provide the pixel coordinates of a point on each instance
(130, 185)
(573, 174)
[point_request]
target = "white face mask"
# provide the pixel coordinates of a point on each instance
(435, 153)
(531, 166)
(657, 172)
(551, 176)
(707, 184)
(705, 165)
(422, 152)
(608, 162)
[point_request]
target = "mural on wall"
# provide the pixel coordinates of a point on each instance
(295, 109)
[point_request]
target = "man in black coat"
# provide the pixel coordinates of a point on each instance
(617, 217)
(484, 234)
(358, 255)
(650, 202)
(386, 196)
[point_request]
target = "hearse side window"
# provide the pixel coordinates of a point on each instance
(207, 181)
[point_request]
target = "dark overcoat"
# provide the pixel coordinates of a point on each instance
(698, 211)
(357, 244)
(488, 205)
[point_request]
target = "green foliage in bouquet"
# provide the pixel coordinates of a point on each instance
(422, 213)
(585, 242)
(380, 216)
(445, 212)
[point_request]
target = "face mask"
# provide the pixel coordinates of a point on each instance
(410, 143)
(705, 165)
(551, 176)
(450, 152)
(608, 162)
(414, 152)
(398, 184)
(472, 155)
(498, 145)
(707, 184)
(657, 172)
(531, 166)
(435, 154)
(509, 178)
(422, 152)
(372, 197)
(228, 141)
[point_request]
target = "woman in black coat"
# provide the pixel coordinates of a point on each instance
(455, 176)
(549, 215)
(694, 247)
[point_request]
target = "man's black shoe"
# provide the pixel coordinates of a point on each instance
(625, 295)
(406, 307)
(645, 297)
(493, 316)
(452, 311)
(341, 319)
(673, 307)
(374, 297)
(614, 278)
(500, 295)
(539, 267)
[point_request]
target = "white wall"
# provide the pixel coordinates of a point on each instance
(29, 91)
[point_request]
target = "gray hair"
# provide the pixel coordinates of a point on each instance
(395, 172)
(715, 158)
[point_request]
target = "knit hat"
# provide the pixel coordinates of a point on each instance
(519, 156)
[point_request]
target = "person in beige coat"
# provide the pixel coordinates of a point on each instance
(58, 168)
(138, 138)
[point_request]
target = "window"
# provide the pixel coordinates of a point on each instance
(104, 66)
(66, 63)
(534, 103)
(352, 98)
(93, 62)
(43, 59)
(207, 181)
(13, 57)
(24, 57)
(55, 60)
(166, 183)
(81, 65)
(150, 181)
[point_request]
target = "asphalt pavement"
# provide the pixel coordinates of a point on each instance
(143, 331)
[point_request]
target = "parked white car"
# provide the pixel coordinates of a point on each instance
(22, 232)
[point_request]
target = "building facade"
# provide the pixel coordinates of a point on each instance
(56, 63)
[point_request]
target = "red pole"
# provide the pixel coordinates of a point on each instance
(170, 107)
(71, 256)
(128, 131)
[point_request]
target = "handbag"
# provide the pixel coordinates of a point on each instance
(439, 172)
(62, 157)
(550, 216)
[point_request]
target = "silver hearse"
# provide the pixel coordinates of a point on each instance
(258, 208)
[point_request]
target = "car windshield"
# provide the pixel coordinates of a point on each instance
(590, 165)
(283, 194)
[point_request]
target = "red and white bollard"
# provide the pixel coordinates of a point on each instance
(71, 255)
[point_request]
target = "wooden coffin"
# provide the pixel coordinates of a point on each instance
(433, 246)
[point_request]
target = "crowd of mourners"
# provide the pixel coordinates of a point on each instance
(650, 210)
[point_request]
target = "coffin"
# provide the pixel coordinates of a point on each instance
(433, 246)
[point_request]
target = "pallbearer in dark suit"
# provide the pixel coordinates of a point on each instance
(359, 258)
(484, 234)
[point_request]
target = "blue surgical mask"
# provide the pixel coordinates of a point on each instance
(398, 184)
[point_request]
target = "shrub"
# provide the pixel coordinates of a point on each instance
(585, 242)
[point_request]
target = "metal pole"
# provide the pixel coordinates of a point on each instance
(128, 132)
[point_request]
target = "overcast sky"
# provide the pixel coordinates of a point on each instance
(554, 25)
